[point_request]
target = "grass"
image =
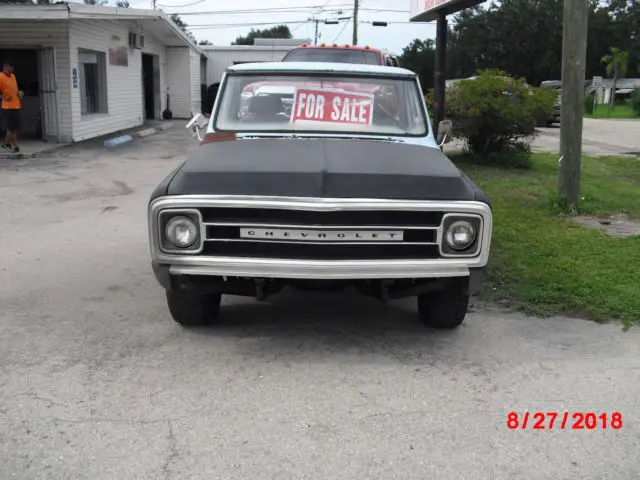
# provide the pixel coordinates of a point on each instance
(621, 110)
(544, 263)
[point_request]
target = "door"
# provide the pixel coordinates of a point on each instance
(149, 87)
(157, 101)
(48, 100)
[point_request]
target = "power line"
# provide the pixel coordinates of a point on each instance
(341, 31)
(309, 8)
(294, 22)
(301, 10)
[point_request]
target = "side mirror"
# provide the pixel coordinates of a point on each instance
(445, 132)
(196, 124)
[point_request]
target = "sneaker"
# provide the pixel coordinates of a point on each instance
(5, 146)
(15, 150)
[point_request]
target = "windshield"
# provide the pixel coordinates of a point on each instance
(363, 105)
(336, 55)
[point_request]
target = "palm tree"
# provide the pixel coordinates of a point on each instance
(617, 62)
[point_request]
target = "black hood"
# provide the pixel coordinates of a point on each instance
(332, 168)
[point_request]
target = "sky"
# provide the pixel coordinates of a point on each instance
(212, 19)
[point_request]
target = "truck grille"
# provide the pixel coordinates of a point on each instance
(364, 234)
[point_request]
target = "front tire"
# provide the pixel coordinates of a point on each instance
(190, 310)
(444, 309)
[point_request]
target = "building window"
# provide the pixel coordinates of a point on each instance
(93, 82)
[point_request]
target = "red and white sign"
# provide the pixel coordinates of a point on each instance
(330, 106)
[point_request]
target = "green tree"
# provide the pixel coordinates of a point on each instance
(524, 37)
(182, 25)
(617, 63)
(123, 4)
(205, 42)
(420, 57)
(281, 31)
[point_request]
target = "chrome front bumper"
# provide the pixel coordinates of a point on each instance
(322, 270)
(318, 269)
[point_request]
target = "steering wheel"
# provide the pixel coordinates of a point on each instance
(380, 109)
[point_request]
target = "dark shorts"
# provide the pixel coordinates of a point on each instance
(11, 120)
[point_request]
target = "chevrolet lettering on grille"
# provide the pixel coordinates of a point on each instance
(322, 235)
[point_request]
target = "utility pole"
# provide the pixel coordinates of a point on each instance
(439, 80)
(356, 5)
(574, 52)
(315, 41)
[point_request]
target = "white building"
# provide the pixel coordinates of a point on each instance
(88, 71)
(264, 50)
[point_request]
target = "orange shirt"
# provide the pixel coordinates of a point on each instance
(9, 86)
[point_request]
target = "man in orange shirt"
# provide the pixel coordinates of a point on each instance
(10, 106)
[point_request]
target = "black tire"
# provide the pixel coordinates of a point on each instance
(189, 309)
(444, 309)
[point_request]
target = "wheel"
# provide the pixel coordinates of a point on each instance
(189, 309)
(444, 309)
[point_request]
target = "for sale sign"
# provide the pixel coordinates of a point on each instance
(332, 106)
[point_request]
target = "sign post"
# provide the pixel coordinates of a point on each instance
(427, 11)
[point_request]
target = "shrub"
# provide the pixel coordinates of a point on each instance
(635, 101)
(588, 103)
(494, 112)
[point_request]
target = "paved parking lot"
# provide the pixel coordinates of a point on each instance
(599, 137)
(97, 382)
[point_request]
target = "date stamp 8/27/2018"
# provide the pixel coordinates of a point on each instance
(564, 421)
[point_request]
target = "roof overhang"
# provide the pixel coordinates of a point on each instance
(154, 22)
(429, 10)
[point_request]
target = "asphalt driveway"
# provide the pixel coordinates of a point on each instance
(599, 137)
(97, 382)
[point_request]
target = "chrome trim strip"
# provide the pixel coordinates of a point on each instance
(315, 204)
(330, 270)
(374, 269)
(319, 227)
(306, 242)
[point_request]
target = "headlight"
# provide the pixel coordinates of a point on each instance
(181, 231)
(460, 235)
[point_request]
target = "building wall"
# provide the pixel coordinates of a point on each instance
(124, 83)
(220, 58)
(179, 81)
(54, 34)
(194, 71)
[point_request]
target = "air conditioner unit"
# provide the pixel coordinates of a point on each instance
(136, 40)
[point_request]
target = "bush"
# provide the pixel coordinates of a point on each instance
(495, 113)
(515, 155)
(635, 101)
(588, 103)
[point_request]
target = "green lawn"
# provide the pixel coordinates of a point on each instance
(544, 263)
(619, 111)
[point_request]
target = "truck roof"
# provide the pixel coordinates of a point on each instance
(321, 67)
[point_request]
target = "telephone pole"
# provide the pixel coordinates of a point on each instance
(574, 52)
(356, 5)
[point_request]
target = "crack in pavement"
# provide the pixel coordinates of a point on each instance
(173, 452)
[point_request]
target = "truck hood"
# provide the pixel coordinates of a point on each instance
(331, 168)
